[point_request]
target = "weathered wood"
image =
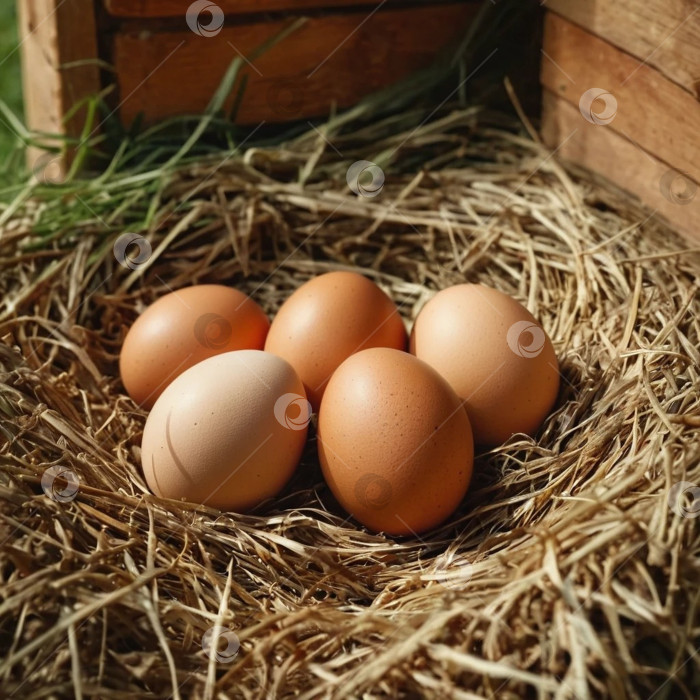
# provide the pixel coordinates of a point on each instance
(658, 115)
(663, 33)
(602, 150)
(55, 34)
(331, 60)
(177, 8)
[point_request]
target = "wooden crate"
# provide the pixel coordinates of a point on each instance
(621, 82)
(168, 56)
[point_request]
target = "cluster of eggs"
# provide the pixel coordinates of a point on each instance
(231, 395)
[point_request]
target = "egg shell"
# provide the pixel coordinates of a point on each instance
(228, 432)
(496, 356)
(183, 328)
(328, 319)
(394, 442)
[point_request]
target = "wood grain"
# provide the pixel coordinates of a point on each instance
(54, 35)
(332, 60)
(175, 8)
(664, 33)
(609, 154)
(660, 116)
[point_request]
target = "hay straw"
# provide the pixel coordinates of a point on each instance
(570, 570)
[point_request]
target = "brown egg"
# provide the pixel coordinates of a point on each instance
(328, 319)
(228, 432)
(183, 328)
(394, 442)
(495, 355)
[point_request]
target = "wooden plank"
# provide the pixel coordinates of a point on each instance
(176, 8)
(664, 33)
(660, 116)
(336, 59)
(603, 151)
(55, 34)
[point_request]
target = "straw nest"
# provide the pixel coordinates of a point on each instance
(571, 568)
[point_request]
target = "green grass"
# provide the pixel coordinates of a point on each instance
(118, 175)
(10, 78)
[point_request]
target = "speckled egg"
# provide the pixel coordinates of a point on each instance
(328, 319)
(394, 442)
(494, 354)
(228, 432)
(183, 328)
